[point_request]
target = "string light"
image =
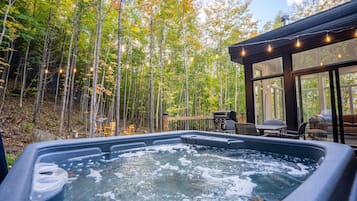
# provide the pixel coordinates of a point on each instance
(298, 43)
(270, 49)
(191, 59)
(339, 55)
(127, 66)
(327, 38)
(46, 71)
(60, 71)
(91, 69)
(169, 61)
(216, 56)
(74, 70)
(335, 31)
(321, 64)
(243, 52)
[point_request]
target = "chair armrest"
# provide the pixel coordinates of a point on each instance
(291, 132)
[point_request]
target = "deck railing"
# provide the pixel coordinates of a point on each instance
(204, 123)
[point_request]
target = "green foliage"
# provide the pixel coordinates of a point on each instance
(10, 159)
(27, 126)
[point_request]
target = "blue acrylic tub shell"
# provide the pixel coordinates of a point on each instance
(333, 180)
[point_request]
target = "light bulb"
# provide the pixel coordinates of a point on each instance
(327, 38)
(270, 49)
(243, 52)
(298, 43)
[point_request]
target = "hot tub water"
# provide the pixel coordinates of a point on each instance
(184, 172)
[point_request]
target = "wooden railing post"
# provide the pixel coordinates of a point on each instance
(165, 122)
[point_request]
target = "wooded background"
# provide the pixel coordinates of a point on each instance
(140, 58)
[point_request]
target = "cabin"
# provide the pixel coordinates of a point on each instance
(305, 71)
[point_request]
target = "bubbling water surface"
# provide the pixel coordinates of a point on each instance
(185, 172)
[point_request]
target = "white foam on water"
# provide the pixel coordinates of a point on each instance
(168, 166)
(95, 174)
(134, 154)
(119, 175)
(184, 161)
(303, 170)
(218, 173)
(108, 194)
(235, 186)
(223, 158)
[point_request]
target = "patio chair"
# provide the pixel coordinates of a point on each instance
(246, 129)
(296, 134)
(290, 133)
(229, 126)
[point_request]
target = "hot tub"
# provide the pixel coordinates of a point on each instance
(45, 170)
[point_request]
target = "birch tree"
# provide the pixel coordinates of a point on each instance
(6, 15)
(118, 77)
(66, 78)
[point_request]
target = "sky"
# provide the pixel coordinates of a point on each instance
(266, 10)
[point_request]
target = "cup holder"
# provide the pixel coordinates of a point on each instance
(48, 181)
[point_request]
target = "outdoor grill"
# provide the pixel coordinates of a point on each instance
(221, 116)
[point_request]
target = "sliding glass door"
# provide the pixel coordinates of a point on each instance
(315, 105)
(328, 102)
(348, 90)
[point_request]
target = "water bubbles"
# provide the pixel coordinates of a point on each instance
(186, 172)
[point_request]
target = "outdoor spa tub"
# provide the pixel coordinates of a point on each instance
(182, 165)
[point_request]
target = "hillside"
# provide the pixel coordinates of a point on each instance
(17, 127)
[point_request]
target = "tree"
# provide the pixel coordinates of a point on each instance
(10, 3)
(98, 39)
(42, 69)
(310, 7)
(66, 79)
(118, 78)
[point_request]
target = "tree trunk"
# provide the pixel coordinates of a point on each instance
(117, 108)
(18, 72)
(10, 3)
(151, 85)
(46, 71)
(41, 71)
(6, 76)
(93, 105)
(24, 72)
(65, 87)
(73, 72)
(60, 70)
(220, 86)
(185, 67)
(125, 95)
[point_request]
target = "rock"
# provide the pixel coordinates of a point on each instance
(40, 135)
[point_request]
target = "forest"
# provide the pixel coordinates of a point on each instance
(128, 61)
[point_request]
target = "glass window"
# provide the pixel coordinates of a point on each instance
(348, 80)
(269, 99)
(329, 54)
(268, 68)
(316, 106)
